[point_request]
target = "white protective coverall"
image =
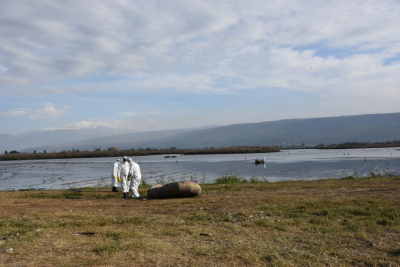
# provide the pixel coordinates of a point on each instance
(114, 174)
(123, 171)
(136, 178)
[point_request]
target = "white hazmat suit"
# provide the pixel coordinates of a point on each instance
(123, 172)
(136, 178)
(114, 174)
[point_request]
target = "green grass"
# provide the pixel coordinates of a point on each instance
(230, 179)
(254, 179)
(144, 184)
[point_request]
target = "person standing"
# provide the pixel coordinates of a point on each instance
(114, 175)
(135, 177)
(123, 172)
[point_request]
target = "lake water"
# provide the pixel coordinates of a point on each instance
(305, 164)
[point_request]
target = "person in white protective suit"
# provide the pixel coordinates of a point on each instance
(114, 175)
(123, 173)
(135, 178)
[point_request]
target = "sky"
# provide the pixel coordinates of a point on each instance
(157, 65)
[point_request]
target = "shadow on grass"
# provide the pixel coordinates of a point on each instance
(72, 195)
(395, 253)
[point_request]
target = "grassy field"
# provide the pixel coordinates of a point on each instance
(346, 222)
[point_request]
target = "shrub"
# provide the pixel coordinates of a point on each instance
(230, 179)
(254, 179)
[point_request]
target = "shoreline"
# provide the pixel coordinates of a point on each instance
(208, 151)
(104, 154)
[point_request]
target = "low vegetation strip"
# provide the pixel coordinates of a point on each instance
(348, 145)
(345, 222)
(232, 150)
(141, 152)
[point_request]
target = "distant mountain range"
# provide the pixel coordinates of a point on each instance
(311, 132)
(125, 141)
(84, 139)
(46, 138)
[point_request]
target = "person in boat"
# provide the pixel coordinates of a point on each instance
(135, 177)
(258, 160)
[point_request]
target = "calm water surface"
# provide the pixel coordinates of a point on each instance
(307, 164)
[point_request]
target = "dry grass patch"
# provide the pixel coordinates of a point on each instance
(315, 223)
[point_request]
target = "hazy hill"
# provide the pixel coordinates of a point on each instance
(360, 128)
(121, 141)
(52, 137)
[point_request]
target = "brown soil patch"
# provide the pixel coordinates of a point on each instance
(313, 223)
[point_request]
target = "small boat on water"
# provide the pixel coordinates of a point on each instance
(260, 161)
(177, 189)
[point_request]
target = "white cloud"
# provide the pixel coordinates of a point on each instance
(39, 91)
(94, 124)
(77, 38)
(3, 68)
(134, 114)
(13, 114)
(200, 47)
(120, 126)
(285, 68)
(49, 111)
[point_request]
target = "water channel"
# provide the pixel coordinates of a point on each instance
(304, 164)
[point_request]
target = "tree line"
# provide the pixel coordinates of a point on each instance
(394, 143)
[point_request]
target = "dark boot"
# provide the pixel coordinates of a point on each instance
(114, 189)
(124, 195)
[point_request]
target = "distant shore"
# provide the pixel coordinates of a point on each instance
(185, 151)
(147, 152)
(349, 145)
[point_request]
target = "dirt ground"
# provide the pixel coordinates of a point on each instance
(353, 222)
